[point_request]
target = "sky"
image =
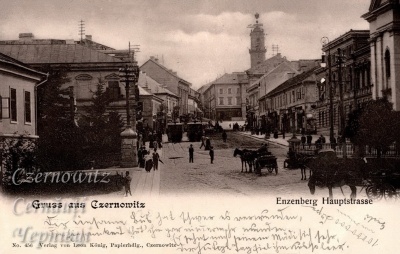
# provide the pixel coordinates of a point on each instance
(199, 39)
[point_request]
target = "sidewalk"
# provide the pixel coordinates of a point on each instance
(144, 184)
(279, 141)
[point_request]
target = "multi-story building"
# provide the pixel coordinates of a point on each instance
(261, 86)
(155, 94)
(171, 80)
(288, 107)
(384, 42)
(223, 99)
(355, 78)
(18, 100)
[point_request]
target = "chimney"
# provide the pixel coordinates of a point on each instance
(88, 37)
(26, 36)
(290, 75)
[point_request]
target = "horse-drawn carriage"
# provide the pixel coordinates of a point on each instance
(383, 178)
(257, 159)
(379, 177)
(267, 161)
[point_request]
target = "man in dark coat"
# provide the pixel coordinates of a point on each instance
(212, 154)
(208, 144)
(309, 140)
(156, 159)
(191, 152)
(303, 140)
(224, 136)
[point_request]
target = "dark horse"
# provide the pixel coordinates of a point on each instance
(247, 157)
(302, 161)
(330, 171)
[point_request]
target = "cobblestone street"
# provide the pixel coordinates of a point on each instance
(224, 177)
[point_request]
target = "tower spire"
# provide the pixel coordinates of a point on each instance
(257, 43)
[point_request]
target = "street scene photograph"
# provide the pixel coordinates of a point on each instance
(130, 101)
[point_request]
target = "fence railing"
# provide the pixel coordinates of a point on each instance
(390, 152)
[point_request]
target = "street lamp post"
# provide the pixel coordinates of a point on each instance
(325, 41)
(341, 106)
(129, 75)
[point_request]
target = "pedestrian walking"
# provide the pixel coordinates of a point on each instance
(309, 140)
(148, 164)
(191, 151)
(203, 140)
(333, 143)
(208, 144)
(212, 154)
(155, 145)
(303, 140)
(156, 159)
(323, 140)
(224, 136)
(127, 183)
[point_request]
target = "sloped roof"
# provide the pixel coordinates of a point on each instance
(55, 53)
(166, 69)
(276, 76)
(12, 61)
(154, 86)
(293, 81)
(204, 87)
(227, 78)
(143, 91)
(268, 64)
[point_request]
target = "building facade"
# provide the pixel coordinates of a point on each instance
(171, 80)
(18, 99)
(84, 66)
(224, 98)
(158, 109)
(384, 21)
(353, 76)
(289, 106)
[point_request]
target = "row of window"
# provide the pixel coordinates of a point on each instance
(9, 107)
(287, 98)
(229, 100)
(229, 90)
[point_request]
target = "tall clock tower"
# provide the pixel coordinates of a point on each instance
(257, 40)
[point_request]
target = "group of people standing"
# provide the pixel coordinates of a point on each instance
(148, 161)
(206, 143)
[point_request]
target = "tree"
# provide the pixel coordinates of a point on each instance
(374, 125)
(101, 128)
(60, 142)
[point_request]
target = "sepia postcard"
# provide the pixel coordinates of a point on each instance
(199, 126)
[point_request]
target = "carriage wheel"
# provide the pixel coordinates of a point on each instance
(397, 194)
(276, 170)
(389, 191)
(373, 192)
